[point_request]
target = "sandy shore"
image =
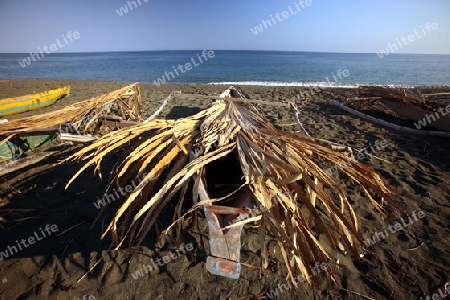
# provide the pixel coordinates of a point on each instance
(416, 257)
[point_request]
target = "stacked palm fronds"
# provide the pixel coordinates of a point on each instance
(409, 96)
(83, 116)
(77, 122)
(284, 171)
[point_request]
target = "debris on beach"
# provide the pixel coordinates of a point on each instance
(407, 103)
(80, 122)
(237, 164)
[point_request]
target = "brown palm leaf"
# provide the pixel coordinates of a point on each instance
(285, 172)
(83, 116)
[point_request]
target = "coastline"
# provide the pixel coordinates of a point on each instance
(152, 94)
(279, 68)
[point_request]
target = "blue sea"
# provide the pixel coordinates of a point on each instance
(234, 67)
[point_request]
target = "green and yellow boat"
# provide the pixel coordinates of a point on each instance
(79, 122)
(11, 106)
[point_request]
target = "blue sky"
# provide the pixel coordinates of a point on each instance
(327, 25)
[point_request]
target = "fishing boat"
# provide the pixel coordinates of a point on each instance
(81, 122)
(12, 106)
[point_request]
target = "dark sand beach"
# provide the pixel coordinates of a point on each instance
(416, 257)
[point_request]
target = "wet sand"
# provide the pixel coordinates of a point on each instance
(416, 257)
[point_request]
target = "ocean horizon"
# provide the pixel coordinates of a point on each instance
(239, 67)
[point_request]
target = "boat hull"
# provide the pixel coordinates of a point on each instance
(11, 106)
(96, 116)
(17, 146)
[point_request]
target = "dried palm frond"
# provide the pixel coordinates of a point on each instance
(82, 116)
(409, 96)
(285, 172)
(77, 122)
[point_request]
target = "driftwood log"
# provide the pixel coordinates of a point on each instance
(387, 124)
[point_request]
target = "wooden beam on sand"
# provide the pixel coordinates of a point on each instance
(159, 110)
(387, 124)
